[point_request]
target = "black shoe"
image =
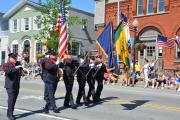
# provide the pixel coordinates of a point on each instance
(46, 111)
(73, 106)
(67, 106)
(89, 101)
(97, 100)
(11, 117)
(78, 103)
(55, 110)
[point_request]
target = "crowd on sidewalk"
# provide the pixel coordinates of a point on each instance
(151, 76)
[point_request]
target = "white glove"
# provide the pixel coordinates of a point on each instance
(47, 56)
(99, 65)
(57, 62)
(91, 65)
(17, 67)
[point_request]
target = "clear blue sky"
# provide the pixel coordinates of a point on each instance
(87, 5)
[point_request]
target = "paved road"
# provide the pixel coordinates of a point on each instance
(120, 103)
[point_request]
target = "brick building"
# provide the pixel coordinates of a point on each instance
(155, 17)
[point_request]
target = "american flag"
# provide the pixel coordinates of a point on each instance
(58, 25)
(62, 29)
(178, 40)
(163, 41)
(124, 18)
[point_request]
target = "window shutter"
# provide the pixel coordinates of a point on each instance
(10, 25)
(30, 23)
(34, 23)
(18, 26)
(22, 24)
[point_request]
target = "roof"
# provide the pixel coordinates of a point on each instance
(1, 15)
(18, 6)
(82, 11)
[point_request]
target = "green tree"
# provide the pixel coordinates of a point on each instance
(50, 10)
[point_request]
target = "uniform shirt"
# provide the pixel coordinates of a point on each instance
(12, 76)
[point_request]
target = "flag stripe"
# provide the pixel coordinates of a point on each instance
(63, 32)
(163, 41)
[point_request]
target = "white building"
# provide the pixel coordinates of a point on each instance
(3, 39)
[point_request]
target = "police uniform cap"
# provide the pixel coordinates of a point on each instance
(12, 55)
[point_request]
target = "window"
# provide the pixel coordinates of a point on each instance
(38, 48)
(15, 49)
(142, 53)
(140, 7)
(0, 42)
(15, 25)
(26, 21)
(3, 56)
(150, 7)
(160, 52)
(178, 52)
(39, 22)
(75, 48)
(150, 50)
(160, 5)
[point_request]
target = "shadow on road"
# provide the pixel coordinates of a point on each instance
(23, 115)
(134, 104)
(58, 98)
(106, 99)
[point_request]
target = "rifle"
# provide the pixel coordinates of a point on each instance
(80, 65)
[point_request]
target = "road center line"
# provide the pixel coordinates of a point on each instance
(39, 114)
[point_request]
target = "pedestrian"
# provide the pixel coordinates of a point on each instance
(99, 77)
(68, 81)
(12, 83)
(51, 82)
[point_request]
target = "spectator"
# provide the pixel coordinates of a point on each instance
(153, 76)
(145, 70)
(161, 81)
(127, 77)
(138, 69)
(177, 76)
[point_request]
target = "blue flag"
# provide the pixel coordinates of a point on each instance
(106, 43)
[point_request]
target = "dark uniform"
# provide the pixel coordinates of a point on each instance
(12, 85)
(51, 82)
(43, 77)
(68, 81)
(91, 82)
(81, 79)
(99, 76)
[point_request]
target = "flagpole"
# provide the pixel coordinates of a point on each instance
(112, 44)
(118, 21)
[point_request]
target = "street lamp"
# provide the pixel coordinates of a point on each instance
(135, 25)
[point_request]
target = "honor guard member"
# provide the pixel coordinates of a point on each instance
(91, 81)
(100, 69)
(81, 79)
(51, 82)
(43, 77)
(68, 81)
(12, 83)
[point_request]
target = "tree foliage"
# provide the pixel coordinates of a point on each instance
(50, 10)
